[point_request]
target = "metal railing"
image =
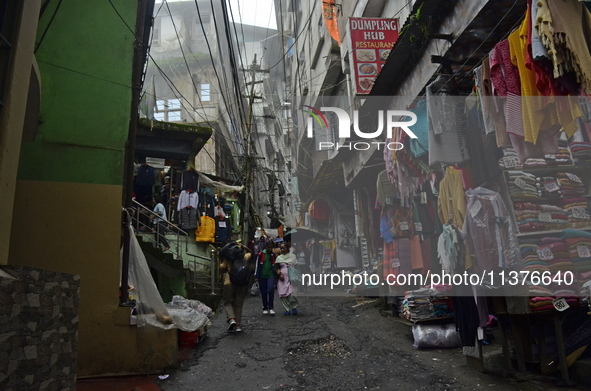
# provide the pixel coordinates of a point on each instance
(138, 210)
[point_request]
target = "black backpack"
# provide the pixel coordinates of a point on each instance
(231, 251)
(240, 272)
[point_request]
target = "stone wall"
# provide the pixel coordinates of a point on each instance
(38, 329)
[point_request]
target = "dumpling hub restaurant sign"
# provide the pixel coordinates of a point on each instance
(372, 40)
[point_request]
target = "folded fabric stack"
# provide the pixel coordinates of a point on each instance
(577, 211)
(560, 261)
(442, 303)
(582, 278)
(535, 162)
(527, 216)
(523, 185)
(540, 292)
(550, 188)
(531, 259)
(563, 157)
(541, 303)
(533, 218)
(544, 303)
(510, 159)
(570, 185)
(579, 248)
(417, 306)
(581, 152)
(400, 306)
(427, 303)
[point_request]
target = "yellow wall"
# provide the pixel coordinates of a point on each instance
(13, 117)
(75, 228)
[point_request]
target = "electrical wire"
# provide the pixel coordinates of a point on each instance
(232, 57)
(184, 57)
(50, 22)
(212, 57)
(169, 82)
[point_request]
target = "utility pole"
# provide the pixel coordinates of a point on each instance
(245, 215)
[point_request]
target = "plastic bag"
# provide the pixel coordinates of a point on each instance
(436, 336)
(294, 274)
(255, 290)
(198, 306)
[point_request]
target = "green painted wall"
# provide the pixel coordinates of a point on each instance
(85, 61)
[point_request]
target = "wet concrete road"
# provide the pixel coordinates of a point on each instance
(332, 344)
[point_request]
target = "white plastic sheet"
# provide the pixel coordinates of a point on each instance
(151, 310)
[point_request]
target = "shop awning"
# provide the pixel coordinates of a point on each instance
(329, 179)
(167, 140)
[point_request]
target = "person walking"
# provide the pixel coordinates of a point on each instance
(302, 257)
(284, 288)
(159, 223)
(232, 295)
(265, 275)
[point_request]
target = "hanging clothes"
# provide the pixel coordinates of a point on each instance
(532, 103)
(496, 106)
(189, 218)
(416, 255)
(452, 204)
(490, 233)
(145, 176)
(571, 22)
(420, 146)
(505, 79)
(187, 198)
(488, 123)
(486, 155)
(189, 180)
(386, 189)
(446, 122)
(403, 254)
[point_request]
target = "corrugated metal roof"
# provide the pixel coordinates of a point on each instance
(404, 54)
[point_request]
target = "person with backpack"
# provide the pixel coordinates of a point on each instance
(265, 273)
(237, 272)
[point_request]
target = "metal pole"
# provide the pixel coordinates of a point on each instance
(144, 7)
(212, 272)
(246, 213)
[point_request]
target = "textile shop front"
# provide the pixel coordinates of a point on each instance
(495, 189)
(200, 210)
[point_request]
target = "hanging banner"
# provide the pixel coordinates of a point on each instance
(331, 18)
(371, 42)
(327, 254)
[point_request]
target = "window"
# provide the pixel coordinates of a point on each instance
(156, 31)
(156, 37)
(169, 110)
(205, 93)
(197, 29)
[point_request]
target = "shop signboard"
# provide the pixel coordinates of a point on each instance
(372, 40)
(327, 255)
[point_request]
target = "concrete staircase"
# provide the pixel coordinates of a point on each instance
(197, 283)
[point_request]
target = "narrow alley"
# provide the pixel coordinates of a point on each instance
(424, 165)
(332, 344)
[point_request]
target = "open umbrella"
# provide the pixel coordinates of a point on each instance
(301, 234)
